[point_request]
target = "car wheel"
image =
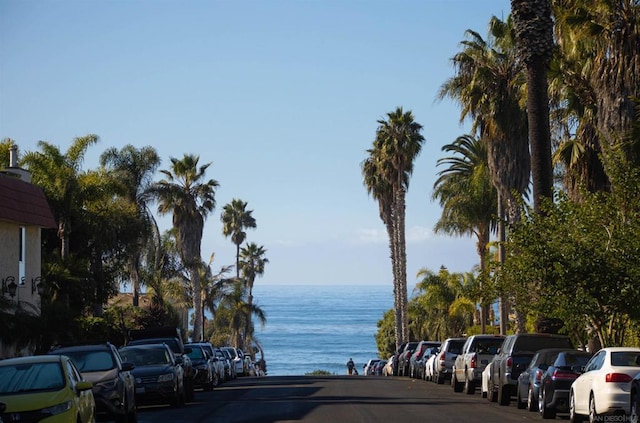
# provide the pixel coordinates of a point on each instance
(519, 403)
(573, 416)
(593, 415)
(545, 411)
(469, 386)
(491, 392)
(633, 415)
(531, 402)
(457, 386)
(504, 395)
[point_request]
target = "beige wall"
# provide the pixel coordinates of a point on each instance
(9, 262)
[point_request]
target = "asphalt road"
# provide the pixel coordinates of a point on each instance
(334, 399)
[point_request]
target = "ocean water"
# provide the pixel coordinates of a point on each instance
(319, 327)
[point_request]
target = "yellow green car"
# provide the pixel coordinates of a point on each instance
(44, 388)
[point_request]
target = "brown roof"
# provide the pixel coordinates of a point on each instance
(24, 203)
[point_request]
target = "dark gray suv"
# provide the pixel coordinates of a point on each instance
(113, 383)
(514, 357)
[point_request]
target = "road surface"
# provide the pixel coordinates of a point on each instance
(334, 399)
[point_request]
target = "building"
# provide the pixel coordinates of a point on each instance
(24, 212)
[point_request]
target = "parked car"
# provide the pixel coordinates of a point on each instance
(223, 364)
(604, 387)
(404, 356)
(443, 365)
(368, 367)
(416, 356)
(31, 385)
(634, 399)
(430, 364)
(477, 352)
(217, 367)
(113, 383)
(513, 358)
(486, 375)
(389, 367)
(204, 376)
(158, 372)
(232, 366)
(422, 361)
(529, 381)
(553, 396)
(173, 338)
(237, 360)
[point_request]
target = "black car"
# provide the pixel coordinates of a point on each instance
(113, 384)
(158, 373)
(556, 381)
(200, 360)
(404, 357)
(529, 380)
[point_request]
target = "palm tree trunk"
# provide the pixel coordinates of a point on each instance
(238, 261)
(402, 262)
(197, 303)
(396, 293)
(504, 318)
(483, 241)
(134, 265)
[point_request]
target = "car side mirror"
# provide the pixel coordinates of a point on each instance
(179, 361)
(83, 386)
(127, 367)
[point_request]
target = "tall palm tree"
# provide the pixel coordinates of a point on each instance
(241, 313)
(487, 87)
(468, 199)
(534, 36)
(252, 264)
(379, 188)
(236, 218)
(133, 169)
(397, 143)
(189, 198)
(58, 175)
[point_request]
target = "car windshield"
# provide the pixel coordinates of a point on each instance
(20, 378)
(625, 358)
(91, 361)
(196, 353)
(141, 357)
(488, 346)
(231, 352)
(455, 347)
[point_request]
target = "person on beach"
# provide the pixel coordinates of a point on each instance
(350, 366)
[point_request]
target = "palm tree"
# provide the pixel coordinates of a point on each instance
(487, 86)
(380, 189)
(468, 199)
(58, 175)
(534, 36)
(397, 144)
(133, 169)
(236, 218)
(189, 198)
(241, 313)
(252, 264)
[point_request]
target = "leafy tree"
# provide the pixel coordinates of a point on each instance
(189, 198)
(236, 218)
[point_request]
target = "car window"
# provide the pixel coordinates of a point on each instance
(196, 353)
(572, 359)
(92, 361)
(596, 362)
(625, 358)
(74, 375)
(455, 347)
(487, 346)
(535, 343)
(31, 377)
(146, 356)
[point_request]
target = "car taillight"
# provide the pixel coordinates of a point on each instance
(473, 361)
(560, 374)
(617, 377)
(508, 362)
(538, 376)
(441, 358)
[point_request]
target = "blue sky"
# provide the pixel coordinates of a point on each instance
(282, 96)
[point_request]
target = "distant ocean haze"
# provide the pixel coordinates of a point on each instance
(319, 327)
